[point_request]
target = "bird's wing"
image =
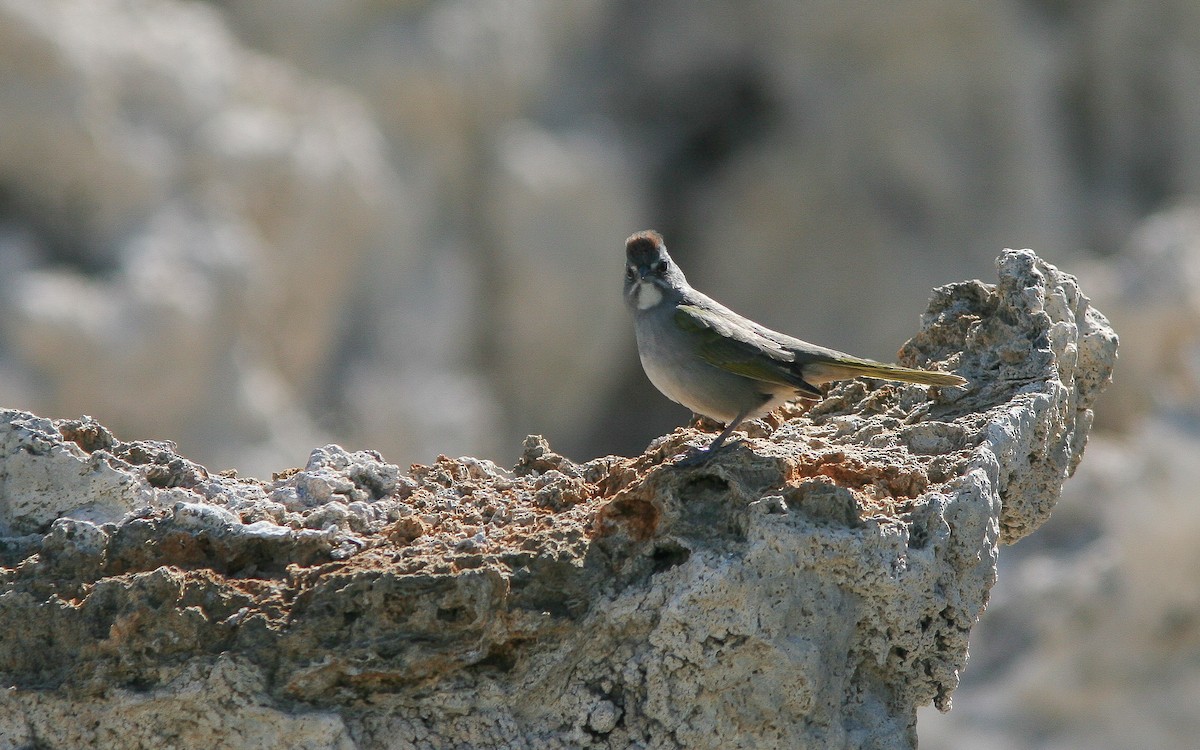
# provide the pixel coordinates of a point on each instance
(727, 343)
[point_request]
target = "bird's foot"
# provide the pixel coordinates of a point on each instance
(694, 457)
(697, 456)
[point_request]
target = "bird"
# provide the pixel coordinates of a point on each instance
(724, 366)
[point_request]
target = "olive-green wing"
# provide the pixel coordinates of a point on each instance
(723, 342)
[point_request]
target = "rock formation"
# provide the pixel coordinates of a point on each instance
(1093, 630)
(809, 587)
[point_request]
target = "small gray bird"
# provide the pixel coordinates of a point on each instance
(708, 358)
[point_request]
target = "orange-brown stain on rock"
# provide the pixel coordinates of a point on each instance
(876, 480)
(637, 516)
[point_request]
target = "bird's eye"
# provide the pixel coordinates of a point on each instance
(659, 267)
(630, 273)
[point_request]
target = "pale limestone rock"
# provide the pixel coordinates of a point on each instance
(184, 222)
(1091, 636)
(809, 587)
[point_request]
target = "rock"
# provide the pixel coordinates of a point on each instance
(1093, 630)
(171, 204)
(1091, 633)
(1151, 290)
(809, 587)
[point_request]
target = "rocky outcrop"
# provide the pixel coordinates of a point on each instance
(1093, 628)
(809, 587)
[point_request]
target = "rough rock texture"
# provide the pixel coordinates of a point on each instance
(810, 587)
(1092, 636)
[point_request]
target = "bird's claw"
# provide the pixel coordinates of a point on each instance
(697, 456)
(694, 457)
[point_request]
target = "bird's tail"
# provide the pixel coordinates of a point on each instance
(851, 367)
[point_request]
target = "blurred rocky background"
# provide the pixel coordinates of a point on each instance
(253, 227)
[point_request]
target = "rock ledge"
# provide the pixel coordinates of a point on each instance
(810, 587)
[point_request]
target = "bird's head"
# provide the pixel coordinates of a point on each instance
(649, 272)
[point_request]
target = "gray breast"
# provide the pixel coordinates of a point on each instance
(670, 360)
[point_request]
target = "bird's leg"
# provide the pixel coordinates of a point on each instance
(720, 439)
(700, 455)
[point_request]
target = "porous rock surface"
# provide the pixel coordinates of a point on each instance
(809, 587)
(1092, 633)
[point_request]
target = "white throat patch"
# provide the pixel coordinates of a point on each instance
(648, 295)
